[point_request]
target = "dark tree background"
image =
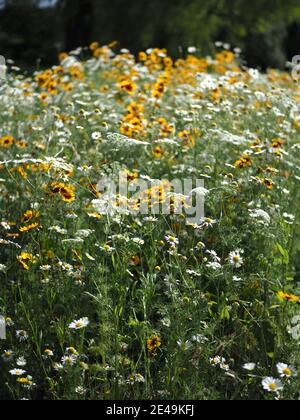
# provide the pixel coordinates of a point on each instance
(33, 32)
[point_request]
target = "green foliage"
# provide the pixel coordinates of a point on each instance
(29, 33)
(171, 24)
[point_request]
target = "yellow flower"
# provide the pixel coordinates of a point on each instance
(62, 56)
(77, 73)
(25, 381)
(225, 57)
(7, 141)
(49, 254)
(127, 86)
(268, 183)
(22, 144)
(44, 97)
(66, 191)
(143, 56)
(158, 152)
(243, 162)
(22, 172)
(29, 215)
(29, 227)
(288, 297)
(277, 143)
(187, 137)
(135, 109)
(94, 46)
(153, 344)
(24, 258)
(52, 87)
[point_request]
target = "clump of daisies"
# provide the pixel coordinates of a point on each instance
(276, 386)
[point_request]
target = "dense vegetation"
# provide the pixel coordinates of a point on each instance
(102, 305)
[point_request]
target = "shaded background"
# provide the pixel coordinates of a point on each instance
(33, 32)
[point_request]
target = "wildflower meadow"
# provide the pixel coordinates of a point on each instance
(148, 292)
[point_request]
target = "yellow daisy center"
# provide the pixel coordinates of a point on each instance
(273, 387)
(287, 371)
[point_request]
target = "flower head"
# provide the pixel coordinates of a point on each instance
(285, 371)
(66, 191)
(288, 297)
(17, 372)
(79, 324)
(272, 385)
(236, 259)
(8, 355)
(153, 344)
(69, 360)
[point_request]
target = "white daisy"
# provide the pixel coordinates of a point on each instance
(286, 371)
(22, 335)
(184, 345)
(79, 324)
(69, 360)
(272, 385)
(96, 135)
(135, 378)
(214, 256)
(172, 240)
(151, 219)
(107, 248)
(207, 222)
(9, 322)
(236, 259)
(17, 372)
(225, 367)
(58, 367)
(8, 355)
